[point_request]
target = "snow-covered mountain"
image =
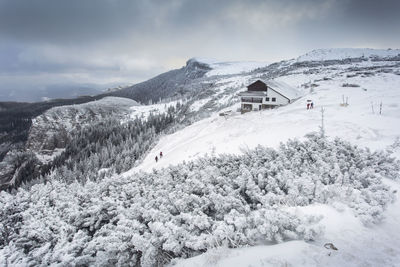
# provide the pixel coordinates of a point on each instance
(296, 202)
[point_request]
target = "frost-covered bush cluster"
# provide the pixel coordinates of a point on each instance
(180, 211)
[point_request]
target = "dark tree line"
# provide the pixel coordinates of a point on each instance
(16, 118)
(20, 166)
(99, 149)
(109, 147)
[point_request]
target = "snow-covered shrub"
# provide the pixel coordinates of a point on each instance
(180, 211)
(350, 85)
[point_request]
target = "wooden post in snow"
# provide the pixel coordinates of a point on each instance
(322, 127)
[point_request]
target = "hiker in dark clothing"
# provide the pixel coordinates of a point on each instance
(161, 154)
(308, 105)
(312, 105)
(156, 158)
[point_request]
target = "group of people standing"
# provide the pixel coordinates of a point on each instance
(161, 155)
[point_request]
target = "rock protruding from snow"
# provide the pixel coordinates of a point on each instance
(347, 53)
(196, 63)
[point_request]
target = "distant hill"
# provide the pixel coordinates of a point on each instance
(348, 53)
(169, 84)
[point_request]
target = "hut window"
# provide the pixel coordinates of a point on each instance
(274, 99)
(267, 99)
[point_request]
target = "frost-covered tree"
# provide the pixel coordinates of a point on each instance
(148, 219)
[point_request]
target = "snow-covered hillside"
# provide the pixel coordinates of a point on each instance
(359, 122)
(371, 119)
(348, 53)
(230, 67)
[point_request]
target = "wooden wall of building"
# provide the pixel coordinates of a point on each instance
(257, 86)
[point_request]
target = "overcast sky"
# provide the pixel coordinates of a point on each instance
(50, 44)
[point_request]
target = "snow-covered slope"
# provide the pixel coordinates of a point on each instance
(230, 68)
(371, 118)
(347, 53)
(365, 85)
(356, 122)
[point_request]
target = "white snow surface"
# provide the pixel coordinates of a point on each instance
(359, 122)
(343, 53)
(230, 67)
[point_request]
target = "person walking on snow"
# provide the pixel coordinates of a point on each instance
(156, 158)
(308, 105)
(161, 154)
(312, 105)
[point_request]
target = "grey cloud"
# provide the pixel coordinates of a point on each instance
(67, 21)
(79, 21)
